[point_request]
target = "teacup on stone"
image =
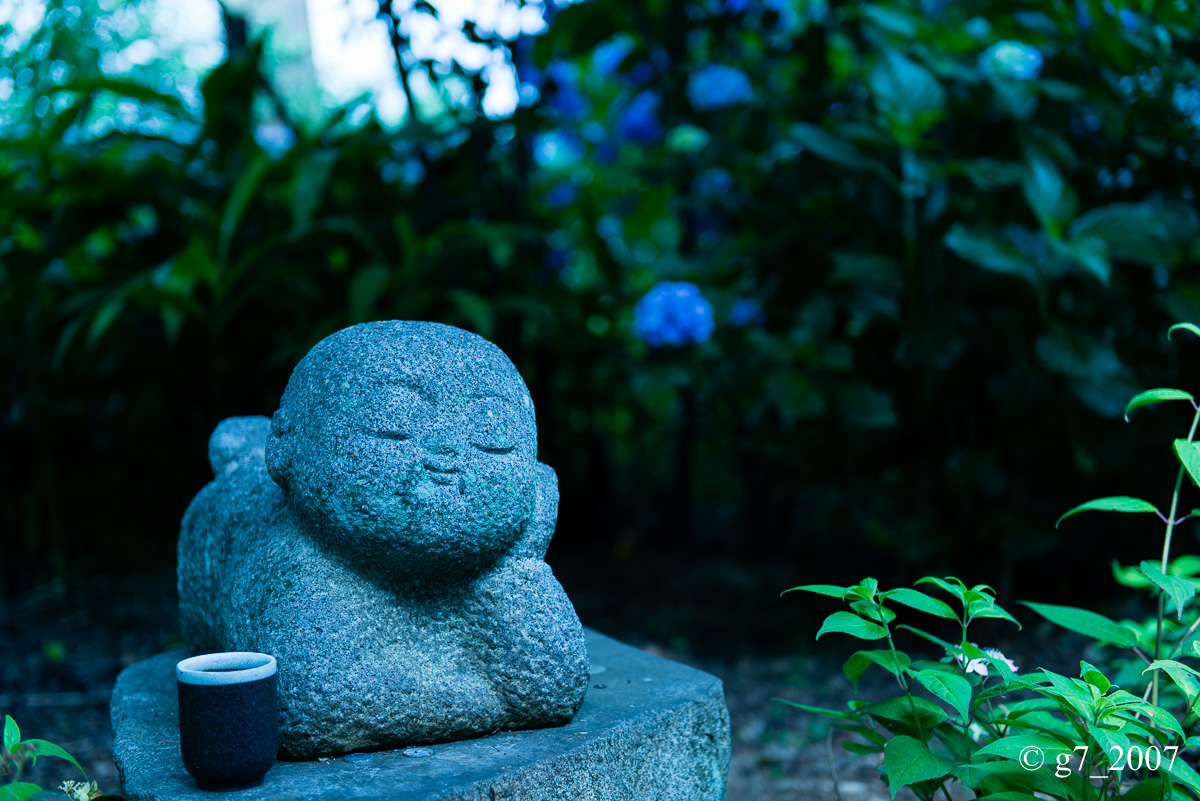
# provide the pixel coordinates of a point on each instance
(383, 536)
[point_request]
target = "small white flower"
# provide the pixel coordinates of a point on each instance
(80, 791)
(980, 665)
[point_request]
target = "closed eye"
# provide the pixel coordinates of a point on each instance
(500, 450)
(392, 435)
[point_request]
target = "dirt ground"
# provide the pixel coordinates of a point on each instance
(62, 654)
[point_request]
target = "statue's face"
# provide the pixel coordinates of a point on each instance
(427, 467)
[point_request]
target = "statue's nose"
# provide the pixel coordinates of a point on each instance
(441, 445)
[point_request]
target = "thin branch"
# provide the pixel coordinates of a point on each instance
(387, 12)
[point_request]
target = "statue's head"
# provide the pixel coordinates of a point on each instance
(408, 447)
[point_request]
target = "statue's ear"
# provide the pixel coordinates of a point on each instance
(540, 528)
(278, 451)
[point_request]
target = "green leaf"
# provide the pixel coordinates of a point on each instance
(87, 84)
(44, 748)
(1185, 327)
(1050, 197)
(239, 199)
(12, 734)
(907, 760)
(865, 749)
(836, 714)
(1089, 624)
(1093, 676)
(19, 791)
(312, 174)
(1179, 590)
(990, 250)
(957, 589)
(819, 589)
(1011, 773)
(1013, 745)
(901, 716)
(861, 660)
(1132, 231)
(987, 607)
(989, 175)
(950, 687)
(1189, 457)
(907, 94)
(1117, 503)
(1186, 678)
(826, 145)
(852, 624)
(915, 599)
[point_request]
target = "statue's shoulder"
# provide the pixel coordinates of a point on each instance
(241, 491)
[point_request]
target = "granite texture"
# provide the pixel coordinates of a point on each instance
(383, 537)
(648, 730)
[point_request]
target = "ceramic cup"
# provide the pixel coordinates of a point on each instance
(228, 718)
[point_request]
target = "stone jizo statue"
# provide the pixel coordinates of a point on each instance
(383, 537)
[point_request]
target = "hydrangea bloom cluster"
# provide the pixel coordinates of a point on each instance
(718, 86)
(673, 313)
(638, 121)
(1011, 59)
(1186, 100)
(607, 57)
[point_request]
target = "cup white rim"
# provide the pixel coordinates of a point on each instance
(236, 667)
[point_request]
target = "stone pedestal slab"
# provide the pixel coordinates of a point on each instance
(649, 730)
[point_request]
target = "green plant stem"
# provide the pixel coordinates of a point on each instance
(900, 674)
(1179, 645)
(1166, 558)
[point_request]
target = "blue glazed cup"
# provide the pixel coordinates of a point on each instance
(228, 718)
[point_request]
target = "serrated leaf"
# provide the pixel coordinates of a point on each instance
(1116, 503)
(1185, 327)
(43, 748)
(1185, 677)
(1156, 396)
(902, 714)
(915, 599)
(1189, 457)
(1179, 590)
(819, 589)
(861, 660)
(1087, 623)
(1012, 746)
(952, 688)
(852, 624)
(907, 760)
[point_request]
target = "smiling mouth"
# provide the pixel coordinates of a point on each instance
(442, 476)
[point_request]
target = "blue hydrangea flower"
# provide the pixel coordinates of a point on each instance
(714, 182)
(607, 57)
(1186, 100)
(638, 121)
(673, 313)
(565, 97)
(718, 86)
(1082, 18)
(737, 6)
(746, 311)
(556, 150)
(1011, 59)
(1128, 19)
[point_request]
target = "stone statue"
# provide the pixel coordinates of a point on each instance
(383, 537)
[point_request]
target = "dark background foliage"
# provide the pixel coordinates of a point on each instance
(957, 274)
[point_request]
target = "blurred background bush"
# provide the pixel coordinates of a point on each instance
(802, 291)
